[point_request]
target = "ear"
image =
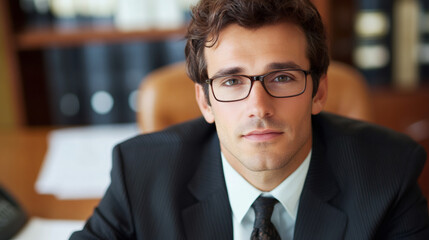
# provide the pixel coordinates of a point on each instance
(319, 100)
(205, 108)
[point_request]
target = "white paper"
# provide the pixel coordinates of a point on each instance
(78, 162)
(44, 229)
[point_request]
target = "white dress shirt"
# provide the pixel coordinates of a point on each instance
(242, 195)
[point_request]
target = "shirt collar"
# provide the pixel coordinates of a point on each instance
(242, 194)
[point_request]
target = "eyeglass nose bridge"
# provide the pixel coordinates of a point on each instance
(259, 78)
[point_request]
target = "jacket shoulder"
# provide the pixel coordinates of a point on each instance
(189, 131)
(335, 127)
(178, 145)
(356, 149)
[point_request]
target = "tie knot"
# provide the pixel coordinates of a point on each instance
(263, 207)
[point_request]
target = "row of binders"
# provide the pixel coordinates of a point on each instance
(392, 42)
(97, 83)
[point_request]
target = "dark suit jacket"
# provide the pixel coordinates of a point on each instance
(361, 184)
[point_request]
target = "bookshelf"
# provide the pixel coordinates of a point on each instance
(24, 46)
(24, 53)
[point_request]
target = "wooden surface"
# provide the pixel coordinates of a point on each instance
(47, 36)
(11, 68)
(21, 156)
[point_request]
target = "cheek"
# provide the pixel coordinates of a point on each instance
(224, 112)
(296, 108)
(227, 117)
(296, 114)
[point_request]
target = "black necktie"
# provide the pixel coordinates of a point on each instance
(263, 229)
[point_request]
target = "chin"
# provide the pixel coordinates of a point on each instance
(265, 163)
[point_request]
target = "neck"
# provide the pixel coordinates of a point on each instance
(268, 179)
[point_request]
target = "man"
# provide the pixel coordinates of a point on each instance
(264, 164)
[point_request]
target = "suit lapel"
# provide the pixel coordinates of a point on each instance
(317, 217)
(210, 217)
(318, 220)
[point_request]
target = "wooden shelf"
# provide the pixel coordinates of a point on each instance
(41, 37)
(38, 37)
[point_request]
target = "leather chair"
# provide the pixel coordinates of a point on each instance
(166, 96)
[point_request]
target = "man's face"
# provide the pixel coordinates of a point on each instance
(261, 133)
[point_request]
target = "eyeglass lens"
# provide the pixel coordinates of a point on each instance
(284, 83)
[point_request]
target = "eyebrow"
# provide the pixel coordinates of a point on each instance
(282, 65)
(228, 71)
(269, 67)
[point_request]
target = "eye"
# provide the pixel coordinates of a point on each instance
(229, 82)
(283, 78)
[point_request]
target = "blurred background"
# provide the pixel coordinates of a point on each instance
(75, 62)
(79, 63)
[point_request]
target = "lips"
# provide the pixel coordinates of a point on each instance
(262, 135)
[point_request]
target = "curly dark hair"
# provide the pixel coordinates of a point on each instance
(209, 17)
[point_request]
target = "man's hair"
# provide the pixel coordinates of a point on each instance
(210, 17)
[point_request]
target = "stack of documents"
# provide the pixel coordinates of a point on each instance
(45, 229)
(78, 162)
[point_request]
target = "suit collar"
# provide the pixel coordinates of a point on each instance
(316, 215)
(211, 214)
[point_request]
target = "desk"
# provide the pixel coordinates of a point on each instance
(21, 157)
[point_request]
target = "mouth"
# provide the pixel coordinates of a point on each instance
(262, 135)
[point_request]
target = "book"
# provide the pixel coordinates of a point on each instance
(424, 41)
(136, 61)
(174, 51)
(373, 40)
(101, 91)
(101, 65)
(64, 84)
(37, 12)
(95, 13)
(65, 79)
(405, 44)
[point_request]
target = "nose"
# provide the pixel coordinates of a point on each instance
(259, 102)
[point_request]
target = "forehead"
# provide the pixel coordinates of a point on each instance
(255, 50)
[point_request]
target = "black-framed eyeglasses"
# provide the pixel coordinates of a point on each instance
(284, 83)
